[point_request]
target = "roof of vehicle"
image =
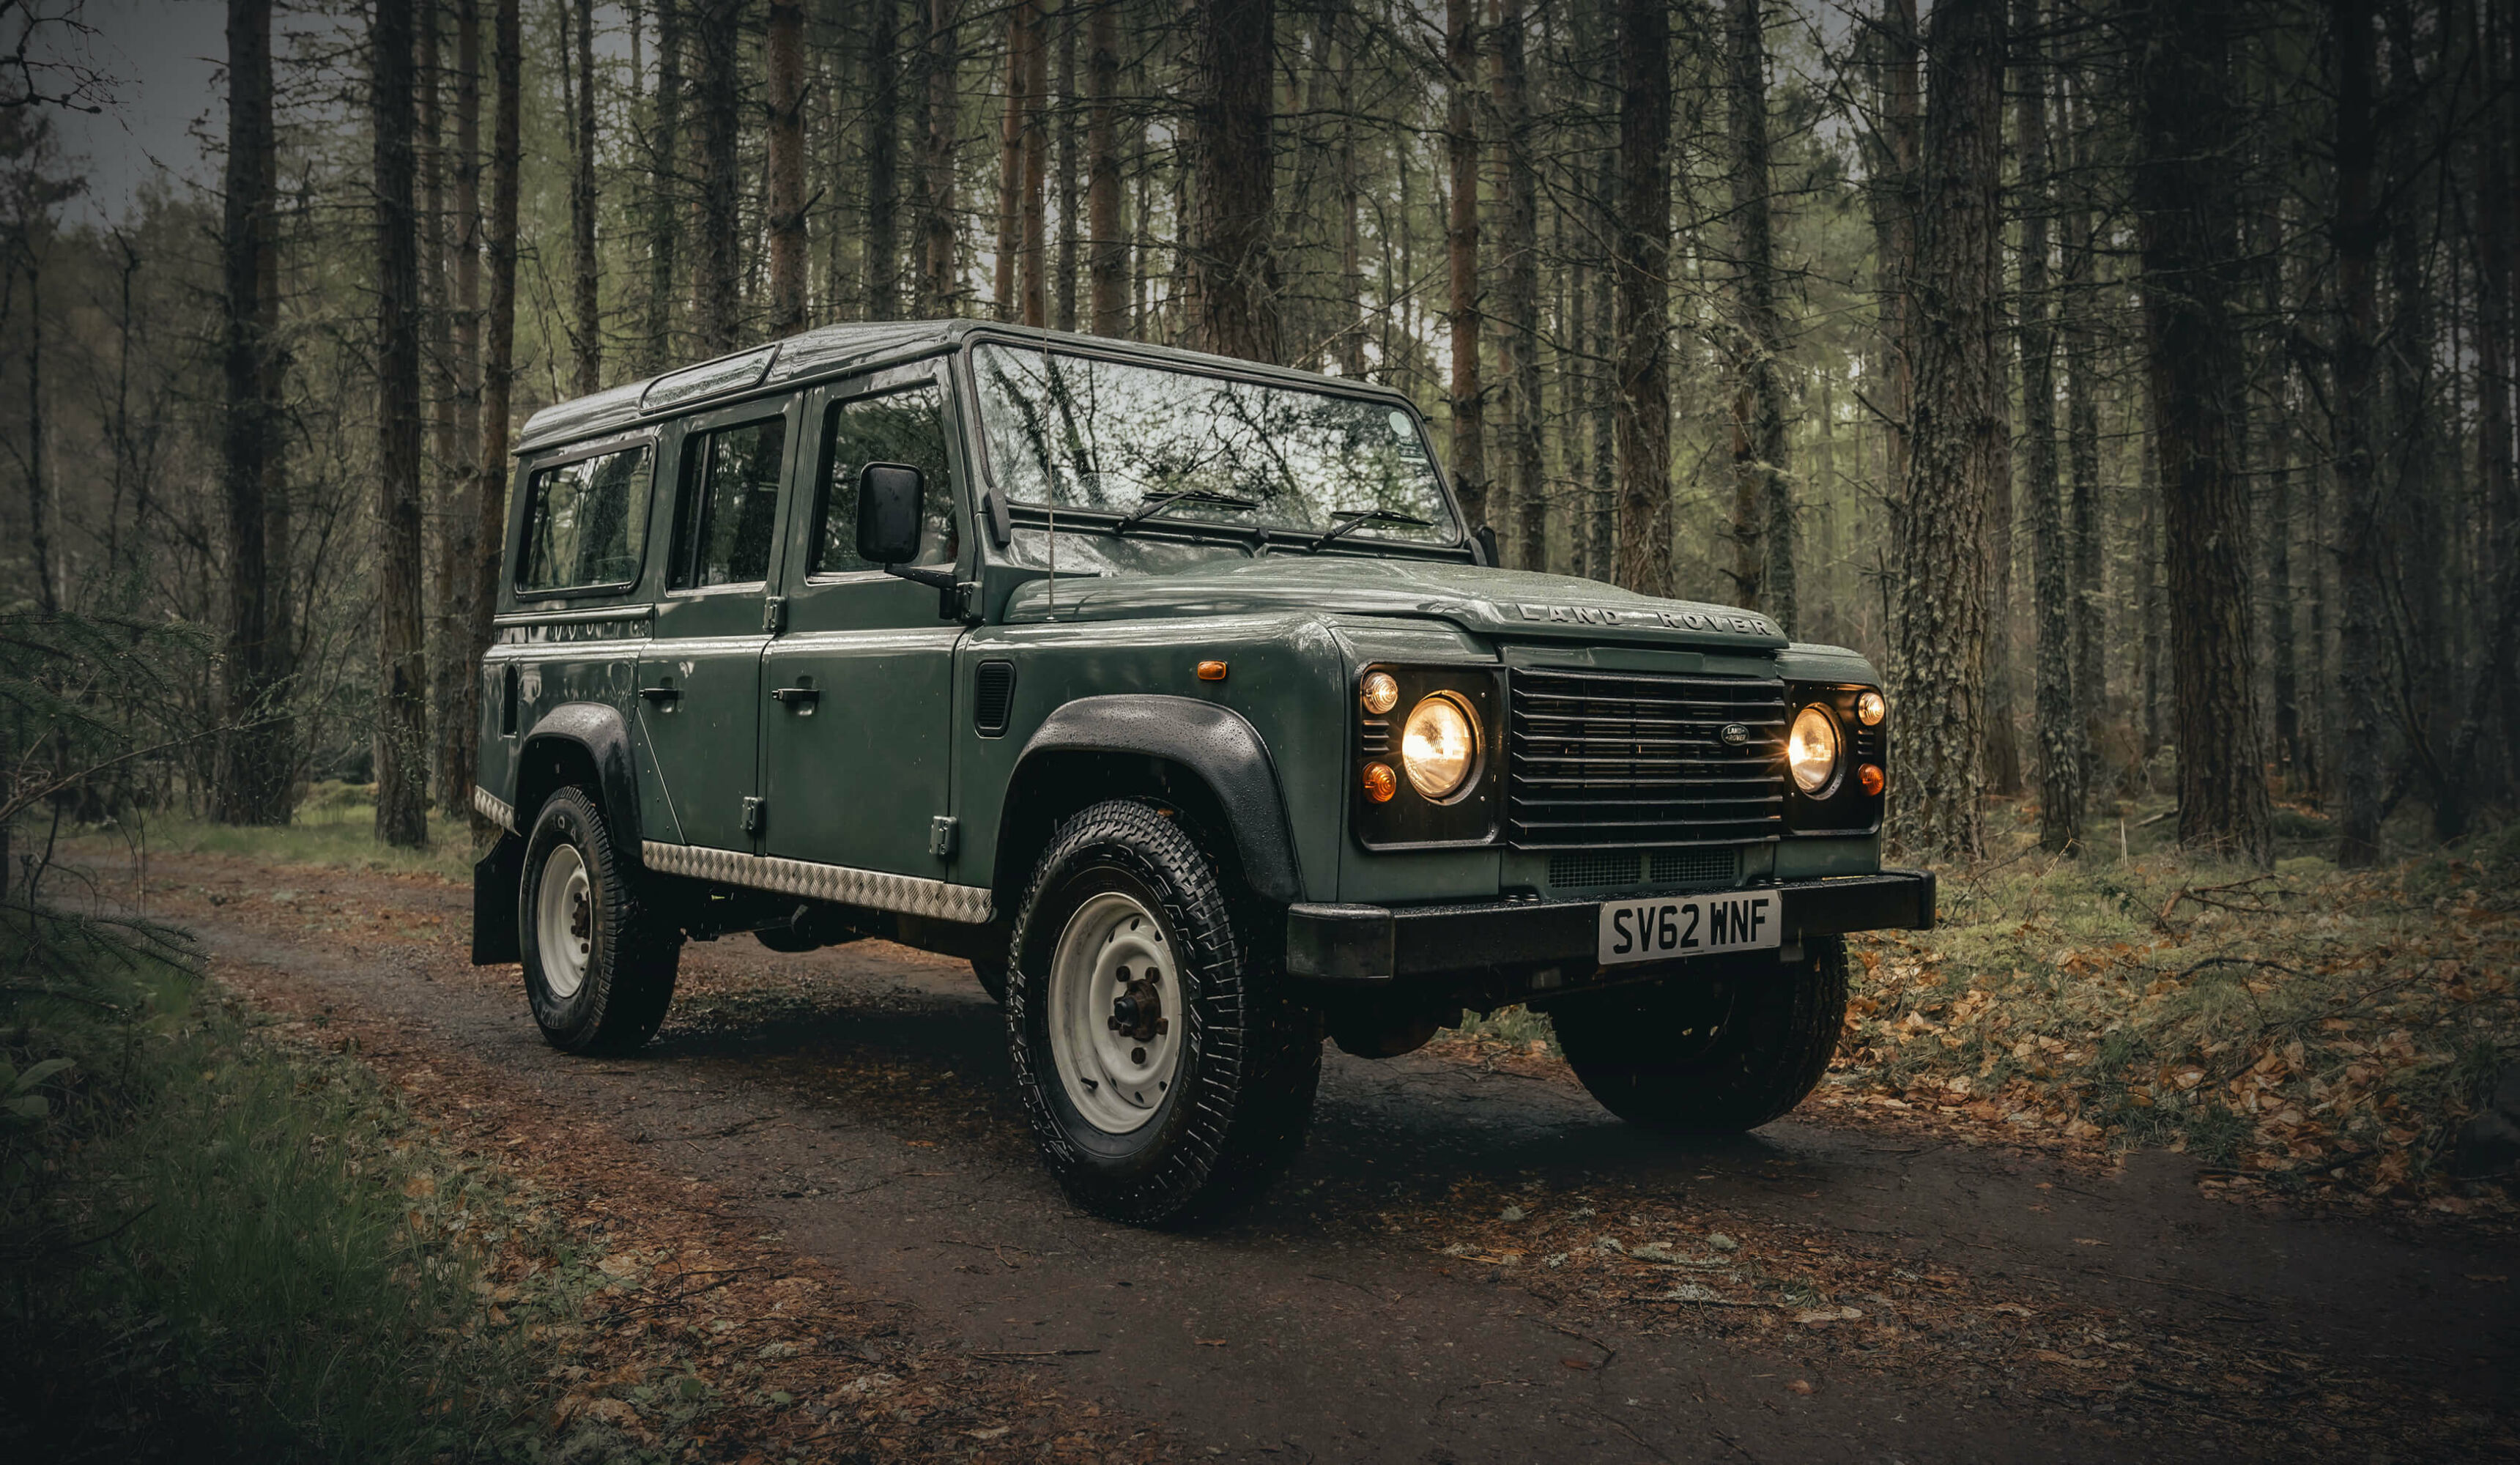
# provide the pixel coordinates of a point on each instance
(828, 351)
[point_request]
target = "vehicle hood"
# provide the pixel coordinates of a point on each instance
(1517, 604)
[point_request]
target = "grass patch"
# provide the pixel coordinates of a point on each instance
(333, 827)
(213, 1247)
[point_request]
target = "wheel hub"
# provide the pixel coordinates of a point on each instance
(564, 921)
(1113, 986)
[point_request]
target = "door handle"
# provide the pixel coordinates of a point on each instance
(661, 693)
(804, 696)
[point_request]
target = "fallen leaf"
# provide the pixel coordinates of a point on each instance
(1209, 1342)
(2015, 1308)
(1583, 1363)
(1800, 1386)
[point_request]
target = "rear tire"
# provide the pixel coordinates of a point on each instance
(599, 961)
(1714, 1054)
(1166, 1073)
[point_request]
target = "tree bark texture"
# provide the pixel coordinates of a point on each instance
(2359, 630)
(1959, 426)
(940, 59)
(498, 335)
(1461, 314)
(882, 251)
(586, 327)
(1107, 240)
(1233, 262)
(1762, 515)
(2056, 717)
(1071, 144)
(1892, 192)
(1642, 260)
(2080, 302)
(790, 249)
(664, 185)
(1022, 18)
(401, 725)
(254, 777)
(1518, 377)
(717, 303)
(452, 682)
(1032, 224)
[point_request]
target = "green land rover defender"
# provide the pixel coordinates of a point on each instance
(1175, 694)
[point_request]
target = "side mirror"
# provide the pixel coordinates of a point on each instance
(890, 496)
(1485, 538)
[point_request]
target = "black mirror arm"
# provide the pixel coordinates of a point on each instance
(933, 578)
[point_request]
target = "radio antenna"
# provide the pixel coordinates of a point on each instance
(1049, 465)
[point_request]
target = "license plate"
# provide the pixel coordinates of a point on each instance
(1668, 927)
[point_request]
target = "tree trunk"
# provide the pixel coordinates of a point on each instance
(587, 329)
(1462, 258)
(883, 163)
(1518, 440)
(1232, 266)
(1763, 518)
(940, 58)
(1070, 191)
(401, 729)
(1892, 192)
(1033, 225)
(664, 185)
(1340, 29)
(453, 684)
(791, 254)
(2088, 605)
(718, 298)
(1641, 256)
(253, 784)
(2357, 243)
(2188, 204)
(1958, 431)
(499, 338)
(1107, 250)
(1022, 17)
(2062, 756)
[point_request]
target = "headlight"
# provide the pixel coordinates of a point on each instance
(1810, 750)
(1378, 692)
(1439, 747)
(1869, 709)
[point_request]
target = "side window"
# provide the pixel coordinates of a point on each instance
(729, 503)
(586, 524)
(896, 427)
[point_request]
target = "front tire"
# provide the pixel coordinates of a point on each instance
(599, 962)
(1713, 1054)
(1166, 1073)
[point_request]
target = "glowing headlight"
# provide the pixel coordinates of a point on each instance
(1439, 747)
(1378, 692)
(1869, 709)
(1810, 750)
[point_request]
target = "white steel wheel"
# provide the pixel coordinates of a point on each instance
(564, 921)
(1116, 1012)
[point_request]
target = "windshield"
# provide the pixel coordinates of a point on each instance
(1074, 433)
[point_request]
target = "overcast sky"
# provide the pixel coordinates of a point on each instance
(165, 58)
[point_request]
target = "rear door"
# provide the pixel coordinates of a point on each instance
(856, 745)
(700, 677)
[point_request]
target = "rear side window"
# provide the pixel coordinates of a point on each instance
(729, 503)
(896, 427)
(586, 524)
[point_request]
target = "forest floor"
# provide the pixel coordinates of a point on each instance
(822, 1231)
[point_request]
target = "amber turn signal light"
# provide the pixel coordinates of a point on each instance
(1870, 778)
(1380, 782)
(1211, 671)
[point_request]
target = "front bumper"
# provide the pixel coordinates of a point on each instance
(1520, 941)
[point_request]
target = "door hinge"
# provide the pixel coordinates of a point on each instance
(774, 615)
(756, 812)
(940, 835)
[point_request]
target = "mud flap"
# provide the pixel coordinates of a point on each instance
(496, 877)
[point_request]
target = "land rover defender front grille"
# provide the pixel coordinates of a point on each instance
(1622, 759)
(1695, 868)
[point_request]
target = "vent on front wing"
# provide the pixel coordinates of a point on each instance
(993, 698)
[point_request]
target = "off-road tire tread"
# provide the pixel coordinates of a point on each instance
(1260, 1052)
(641, 950)
(1783, 1033)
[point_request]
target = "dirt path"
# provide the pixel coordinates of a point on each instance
(1466, 1265)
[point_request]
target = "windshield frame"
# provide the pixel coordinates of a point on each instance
(1182, 522)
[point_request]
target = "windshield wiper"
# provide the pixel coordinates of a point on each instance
(1356, 518)
(1149, 508)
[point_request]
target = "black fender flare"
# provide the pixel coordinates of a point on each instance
(1215, 744)
(597, 733)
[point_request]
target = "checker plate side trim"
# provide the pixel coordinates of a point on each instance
(971, 905)
(494, 809)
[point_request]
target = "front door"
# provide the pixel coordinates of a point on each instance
(700, 677)
(856, 746)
